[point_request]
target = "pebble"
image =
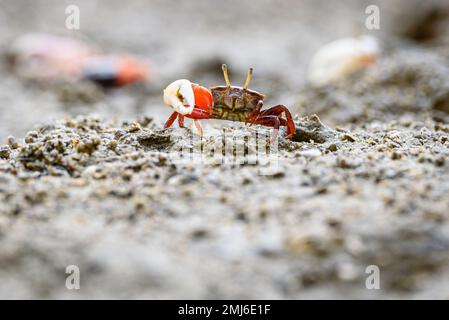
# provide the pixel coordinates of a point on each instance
(347, 137)
(12, 142)
(5, 152)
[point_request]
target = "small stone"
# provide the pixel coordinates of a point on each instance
(345, 163)
(127, 175)
(135, 156)
(31, 137)
(5, 152)
(321, 190)
(120, 133)
(278, 174)
(347, 137)
(334, 223)
(200, 234)
(145, 121)
(439, 161)
(134, 127)
(12, 142)
(332, 147)
(422, 158)
(113, 145)
(88, 146)
(396, 155)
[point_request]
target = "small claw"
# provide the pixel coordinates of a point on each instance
(179, 95)
(253, 120)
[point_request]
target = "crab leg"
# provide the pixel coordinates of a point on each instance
(198, 127)
(270, 121)
(255, 114)
(199, 114)
(277, 111)
(181, 121)
(170, 120)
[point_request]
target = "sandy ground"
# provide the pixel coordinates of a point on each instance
(88, 177)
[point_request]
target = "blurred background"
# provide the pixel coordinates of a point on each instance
(191, 39)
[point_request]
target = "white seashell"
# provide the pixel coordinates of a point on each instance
(342, 57)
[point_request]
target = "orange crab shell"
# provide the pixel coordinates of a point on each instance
(203, 98)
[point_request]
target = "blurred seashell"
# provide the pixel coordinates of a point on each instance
(341, 58)
(41, 56)
(115, 70)
(44, 56)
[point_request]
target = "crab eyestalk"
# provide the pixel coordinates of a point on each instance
(224, 67)
(248, 79)
(179, 95)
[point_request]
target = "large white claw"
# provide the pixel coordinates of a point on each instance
(179, 95)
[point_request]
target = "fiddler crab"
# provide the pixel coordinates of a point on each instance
(224, 102)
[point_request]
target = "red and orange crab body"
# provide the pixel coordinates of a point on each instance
(224, 102)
